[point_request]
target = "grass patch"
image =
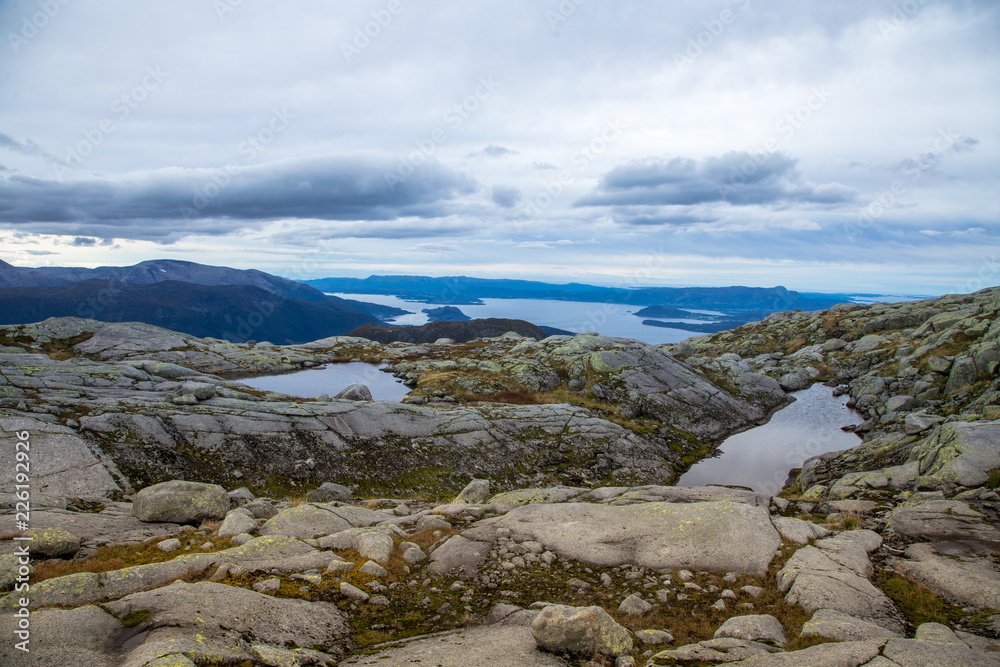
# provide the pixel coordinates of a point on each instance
(917, 602)
(994, 478)
(128, 554)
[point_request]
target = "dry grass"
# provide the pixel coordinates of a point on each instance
(128, 554)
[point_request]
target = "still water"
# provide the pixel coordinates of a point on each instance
(761, 457)
(610, 319)
(332, 379)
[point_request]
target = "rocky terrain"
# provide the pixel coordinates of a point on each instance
(351, 533)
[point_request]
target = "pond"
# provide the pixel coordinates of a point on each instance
(332, 379)
(761, 457)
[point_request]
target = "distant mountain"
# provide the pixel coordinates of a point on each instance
(462, 289)
(231, 312)
(157, 271)
(460, 332)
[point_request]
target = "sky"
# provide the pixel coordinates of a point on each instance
(849, 146)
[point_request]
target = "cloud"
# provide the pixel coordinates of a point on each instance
(740, 178)
(29, 148)
(207, 201)
(505, 196)
(543, 166)
(83, 242)
(493, 151)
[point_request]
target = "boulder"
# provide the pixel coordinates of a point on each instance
(237, 521)
(762, 627)
(720, 536)
(634, 605)
(959, 454)
(356, 392)
(329, 492)
(475, 493)
(798, 530)
(900, 403)
(459, 556)
(304, 521)
(580, 631)
(200, 390)
(375, 546)
(181, 502)
(52, 543)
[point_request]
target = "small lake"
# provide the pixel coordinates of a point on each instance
(761, 457)
(609, 319)
(332, 379)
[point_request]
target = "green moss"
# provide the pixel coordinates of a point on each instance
(917, 602)
(135, 617)
(994, 478)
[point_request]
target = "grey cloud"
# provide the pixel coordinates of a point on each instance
(738, 178)
(506, 196)
(220, 201)
(495, 151)
(29, 147)
(83, 242)
(543, 166)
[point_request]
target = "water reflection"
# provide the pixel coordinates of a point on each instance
(761, 457)
(332, 379)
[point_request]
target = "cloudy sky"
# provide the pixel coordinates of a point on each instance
(825, 146)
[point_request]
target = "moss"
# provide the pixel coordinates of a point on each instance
(917, 602)
(135, 617)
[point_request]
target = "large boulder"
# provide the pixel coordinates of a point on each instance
(356, 392)
(178, 501)
(580, 631)
(305, 521)
(721, 536)
(959, 454)
(329, 492)
(476, 492)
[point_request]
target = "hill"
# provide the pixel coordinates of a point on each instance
(465, 290)
(231, 312)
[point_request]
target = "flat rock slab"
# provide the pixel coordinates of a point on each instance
(959, 575)
(96, 529)
(916, 653)
(833, 574)
(945, 520)
(961, 453)
(209, 623)
(62, 463)
(721, 536)
(489, 646)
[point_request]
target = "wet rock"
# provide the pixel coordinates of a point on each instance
(356, 392)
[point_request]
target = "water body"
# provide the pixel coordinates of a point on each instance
(332, 379)
(761, 457)
(609, 319)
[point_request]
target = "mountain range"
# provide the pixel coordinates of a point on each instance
(458, 290)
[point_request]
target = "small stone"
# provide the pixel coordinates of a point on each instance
(634, 605)
(268, 585)
(654, 637)
(685, 575)
(353, 592)
(167, 546)
(606, 580)
(379, 601)
(753, 591)
(374, 569)
(719, 605)
(753, 628)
